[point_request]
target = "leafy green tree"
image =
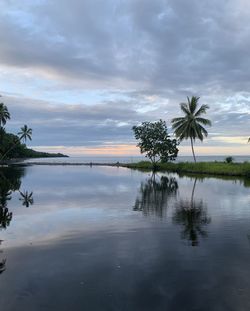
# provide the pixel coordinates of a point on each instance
(191, 126)
(155, 142)
(4, 114)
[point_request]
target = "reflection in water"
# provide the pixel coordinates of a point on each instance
(2, 265)
(26, 198)
(154, 195)
(10, 181)
(5, 217)
(153, 199)
(85, 242)
(5, 196)
(192, 215)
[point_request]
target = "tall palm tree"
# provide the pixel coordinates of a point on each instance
(25, 133)
(191, 126)
(4, 114)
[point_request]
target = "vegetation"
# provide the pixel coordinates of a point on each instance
(211, 168)
(9, 142)
(30, 153)
(155, 142)
(191, 126)
(4, 114)
(229, 159)
(25, 133)
(14, 146)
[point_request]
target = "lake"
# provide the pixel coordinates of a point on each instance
(107, 238)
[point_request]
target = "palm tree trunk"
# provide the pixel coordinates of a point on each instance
(192, 146)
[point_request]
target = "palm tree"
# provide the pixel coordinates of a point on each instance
(4, 114)
(191, 125)
(25, 133)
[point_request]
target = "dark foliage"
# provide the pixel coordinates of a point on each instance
(155, 142)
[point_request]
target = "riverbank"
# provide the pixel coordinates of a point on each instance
(199, 168)
(211, 168)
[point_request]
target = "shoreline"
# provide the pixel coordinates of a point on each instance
(64, 164)
(199, 168)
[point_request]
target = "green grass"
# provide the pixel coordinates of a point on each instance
(211, 168)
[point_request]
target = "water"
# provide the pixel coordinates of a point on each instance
(106, 238)
(131, 159)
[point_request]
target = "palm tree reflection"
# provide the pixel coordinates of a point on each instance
(10, 181)
(26, 198)
(192, 215)
(154, 195)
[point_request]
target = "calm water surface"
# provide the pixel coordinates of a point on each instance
(103, 238)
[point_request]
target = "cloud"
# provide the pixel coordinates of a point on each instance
(81, 73)
(167, 44)
(76, 125)
(95, 127)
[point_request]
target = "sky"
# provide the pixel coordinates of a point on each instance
(81, 73)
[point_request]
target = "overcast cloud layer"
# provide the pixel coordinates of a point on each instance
(81, 73)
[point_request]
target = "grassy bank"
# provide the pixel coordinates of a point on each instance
(211, 168)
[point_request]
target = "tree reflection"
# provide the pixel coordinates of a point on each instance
(192, 215)
(26, 198)
(2, 265)
(10, 181)
(154, 195)
(5, 217)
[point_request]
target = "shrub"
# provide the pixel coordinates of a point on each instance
(229, 159)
